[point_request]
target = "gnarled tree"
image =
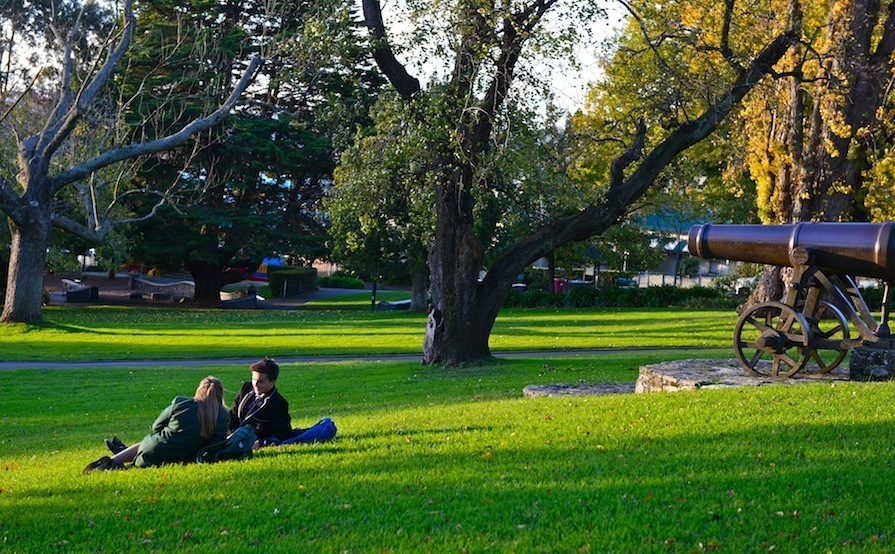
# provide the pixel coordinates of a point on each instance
(489, 41)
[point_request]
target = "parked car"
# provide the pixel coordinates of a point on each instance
(626, 283)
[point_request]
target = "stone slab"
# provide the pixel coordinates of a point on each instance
(683, 375)
(581, 389)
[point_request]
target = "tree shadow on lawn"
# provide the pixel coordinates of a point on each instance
(796, 489)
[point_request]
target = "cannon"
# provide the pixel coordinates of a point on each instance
(810, 328)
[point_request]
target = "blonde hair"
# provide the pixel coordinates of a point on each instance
(210, 398)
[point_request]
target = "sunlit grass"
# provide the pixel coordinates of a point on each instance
(338, 327)
(438, 459)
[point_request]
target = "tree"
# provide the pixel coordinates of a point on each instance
(815, 138)
(30, 206)
(813, 158)
(261, 193)
(489, 40)
(380, 208)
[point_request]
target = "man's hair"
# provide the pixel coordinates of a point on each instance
(268, 367)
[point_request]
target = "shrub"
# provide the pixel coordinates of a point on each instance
(336, 281)
(292, 281)
(581, 297)
(538, 298)
(615, 297)
(514, 299)
(661, 297)
(873, 296)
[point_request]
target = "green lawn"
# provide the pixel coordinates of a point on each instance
(338, 327)
(439, 459)
(448, 460)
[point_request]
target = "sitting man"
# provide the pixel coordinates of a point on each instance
(261, 405)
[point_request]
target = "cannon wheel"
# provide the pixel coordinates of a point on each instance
(775, 332)
(828, 323)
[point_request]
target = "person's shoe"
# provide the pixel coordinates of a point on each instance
(103, 463)
(115, 445)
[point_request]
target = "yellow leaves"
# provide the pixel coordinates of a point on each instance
(880, 199)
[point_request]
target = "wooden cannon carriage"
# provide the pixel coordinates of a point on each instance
(811, 327)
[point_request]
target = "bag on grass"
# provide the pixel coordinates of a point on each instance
(235, 447)
(321, 431)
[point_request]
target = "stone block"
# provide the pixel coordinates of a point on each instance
(872, 364)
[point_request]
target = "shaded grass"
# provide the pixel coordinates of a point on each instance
(103, 332)
(438, 459)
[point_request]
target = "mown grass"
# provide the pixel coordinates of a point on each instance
(447, 460)
(337, 327)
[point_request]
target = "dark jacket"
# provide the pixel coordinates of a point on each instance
(176, 434)
(269, 416)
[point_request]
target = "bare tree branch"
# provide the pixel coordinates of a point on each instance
(725, 39)
(397, 74)
(165, 143)
(21, 96)
(79, 229)
(9, 202)
(56, 135)
(633, 152)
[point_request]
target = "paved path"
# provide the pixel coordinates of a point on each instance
(195, 362)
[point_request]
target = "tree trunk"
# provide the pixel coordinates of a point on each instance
(209, 281)
(453, 330)
(27, 263)
(418, 290)
(551, 272)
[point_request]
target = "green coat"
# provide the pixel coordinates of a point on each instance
(176, 436)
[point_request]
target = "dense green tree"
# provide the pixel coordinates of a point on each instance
(254, 190)
(271, 176)
(628, 247)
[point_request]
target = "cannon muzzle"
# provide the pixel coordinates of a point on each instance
(865, 249)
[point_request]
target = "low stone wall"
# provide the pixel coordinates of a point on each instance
(176, 290)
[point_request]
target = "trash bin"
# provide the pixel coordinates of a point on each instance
(559, 285)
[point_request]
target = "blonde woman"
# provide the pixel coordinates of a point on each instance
(179, 432)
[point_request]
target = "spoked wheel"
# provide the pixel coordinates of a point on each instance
(771, 340)
(828, 328)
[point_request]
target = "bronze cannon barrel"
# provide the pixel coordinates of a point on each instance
(865, 249)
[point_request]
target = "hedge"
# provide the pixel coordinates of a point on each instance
(292, 281)
(340, 282)
(613, 297)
